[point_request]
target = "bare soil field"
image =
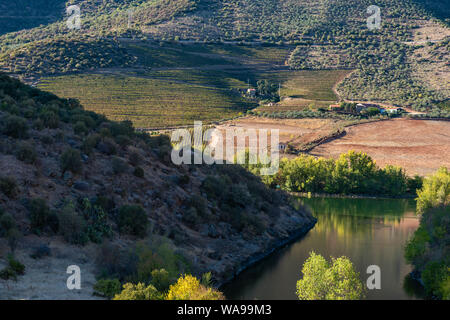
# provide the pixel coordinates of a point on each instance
(419, 146)
(295, 132)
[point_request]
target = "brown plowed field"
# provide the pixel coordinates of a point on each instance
(419, 146)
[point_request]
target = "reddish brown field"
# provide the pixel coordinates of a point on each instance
(419, 146)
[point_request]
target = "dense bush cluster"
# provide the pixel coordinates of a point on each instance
(9, 229)
(186, 288)
(133, 220)
(429, 250)
(14, 269)
(149, 271)
(352, 173)
(307, 114)
(324, 280)
(58, 56)
(238, 198)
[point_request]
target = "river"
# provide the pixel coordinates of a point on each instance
(368, 231)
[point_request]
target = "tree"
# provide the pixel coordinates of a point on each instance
(267, 89)
(323, 280)
(138, 292)
(189, 288)
(435, 191)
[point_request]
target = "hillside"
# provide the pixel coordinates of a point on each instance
(403, 63)
(77, 188)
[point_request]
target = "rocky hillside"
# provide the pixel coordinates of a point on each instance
(78, 189)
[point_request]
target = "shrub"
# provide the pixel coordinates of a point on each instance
(124, 128)
(214, 186)
(47, 139)
(26, 153)
(80, 128)
(135, 159)
(184, 179)
(41, 251)
(97, 220)
(72, 226)
(50, 119)
(156, 254)
(90, 142)
(433, 276)
(83, 118)
(139, 172)
(161, 280)
(107, 288)
(206, 279)
(139, 292)
(53, 221)
(71, 161)
(414, 184)
(8, 186)
(13, 269)
(39, 214)
(123, 141)
(13, 236)
(107, 204)
(190, 288)
(164, 154)
(191, 216)
(6, 223)
(107, 146)
(239, 196)
(416, 246)
(133, 220)
(119, 166)
(15, 127)
(8, 273)
(38, 124)
(16, 266)
(200, 204)
(114, 262)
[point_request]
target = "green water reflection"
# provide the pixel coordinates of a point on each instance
(368, 231)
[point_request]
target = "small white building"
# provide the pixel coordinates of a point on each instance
(251, 92)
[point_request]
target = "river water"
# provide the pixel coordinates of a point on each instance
(368, 231)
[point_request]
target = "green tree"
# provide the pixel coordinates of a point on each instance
(427, 249)
(435, 191)
(335, 280)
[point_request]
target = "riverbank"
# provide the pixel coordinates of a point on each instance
(279, 244)
(349, 196)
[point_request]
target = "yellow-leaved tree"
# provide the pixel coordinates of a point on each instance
(189, 288)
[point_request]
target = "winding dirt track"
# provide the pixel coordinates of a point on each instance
(419, 146)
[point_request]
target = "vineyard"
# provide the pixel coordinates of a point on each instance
(148, 103)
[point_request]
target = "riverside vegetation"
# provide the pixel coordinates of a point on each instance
(429, 249)
(352, 173)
